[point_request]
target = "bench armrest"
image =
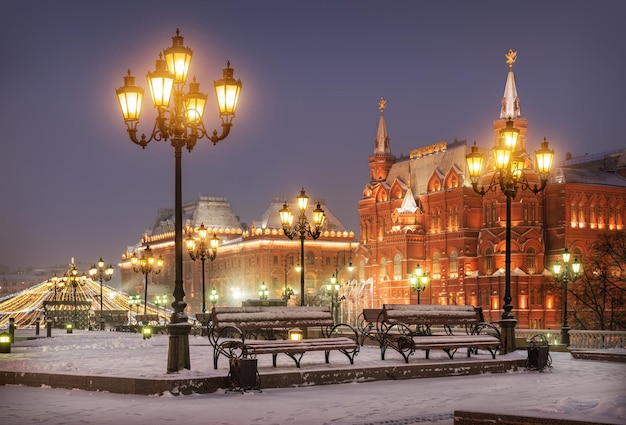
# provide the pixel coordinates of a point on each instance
(341, 329)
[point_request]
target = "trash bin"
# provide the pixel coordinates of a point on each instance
(243, 375)
(538, 353)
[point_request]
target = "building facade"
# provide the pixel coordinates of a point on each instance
(421, 210)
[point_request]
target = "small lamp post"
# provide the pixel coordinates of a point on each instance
(134, 300)
(203, 251)
(101, 273)
(418, 281)
(161, 300)
(74, 280)
(5, 342)
(302, 228)
(146, 264)
(333, 289)
(179, 122)
(213, 297)
(263, 292)
(564, 275)
(509, 173)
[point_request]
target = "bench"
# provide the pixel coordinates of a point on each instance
(244, 332)
(147, 319)
(409, 327)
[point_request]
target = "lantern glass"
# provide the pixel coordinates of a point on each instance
(160, 82)
(130, 98)
(227, 91)
(202, 232)
(502, 155)
(214, 243)
(178, 58)
(543, 159)
(191, 244)
(303, 201)
(318, 216)
(286, 216)
(509, 135)
(474, 163)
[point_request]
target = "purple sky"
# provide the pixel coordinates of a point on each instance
(72, 183)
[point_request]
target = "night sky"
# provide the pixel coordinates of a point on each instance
(73, 185)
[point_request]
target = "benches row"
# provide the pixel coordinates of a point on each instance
(245, 332)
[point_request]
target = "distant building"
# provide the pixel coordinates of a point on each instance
(421, 210)
(248, 255)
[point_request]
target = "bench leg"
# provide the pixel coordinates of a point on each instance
(274, 359)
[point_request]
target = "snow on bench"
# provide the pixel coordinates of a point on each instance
(237, 332)
(407, 327)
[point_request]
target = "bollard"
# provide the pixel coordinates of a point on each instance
(12, 329)
(37, 326)
(5, 343)
(48, 328)
(69, 327)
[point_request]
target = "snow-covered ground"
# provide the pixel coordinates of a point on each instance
(575, 389)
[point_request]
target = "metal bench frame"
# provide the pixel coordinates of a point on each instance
(246, 332)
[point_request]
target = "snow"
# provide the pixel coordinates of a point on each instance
(584, 390)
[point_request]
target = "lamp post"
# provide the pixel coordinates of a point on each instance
(509, 173)
(146, 264)
(161, 300)
(302, 228)
(53, 283)
(213, 297)
(134, 300)
(181, 124)
(203, 252)
(102, 274)
(75, 280)
(333, 289)
(263, 292)
(418, 281)
(563, 275)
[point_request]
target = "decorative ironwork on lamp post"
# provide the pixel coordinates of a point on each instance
(564, 274)
(203, 251)
(302, 228)
(147, 264)
(180, 123)
(102, 274)
(418, 280)
(72, 278)
(509, 173)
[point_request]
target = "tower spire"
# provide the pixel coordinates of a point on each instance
(381, 145)
(510, 102)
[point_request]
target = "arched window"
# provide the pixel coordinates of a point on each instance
(397, 267)
(454, 264)
(436, 266)
(310, 258)
(361, 272)
(488, 257)
(383, 269)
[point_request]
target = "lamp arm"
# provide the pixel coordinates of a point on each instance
(214, 137)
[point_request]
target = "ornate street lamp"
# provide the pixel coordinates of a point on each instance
(55, 283)
(202, 251)
(510, 166)
(147, 264)
(563, 275)
(101, 273)
(134, 300)
(419, 280)
(74, 280)
(263, 292)
(180, 123)
(302, 228)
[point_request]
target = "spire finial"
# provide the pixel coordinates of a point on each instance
(511, 57)
(382, 104)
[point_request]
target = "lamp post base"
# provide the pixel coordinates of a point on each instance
(178, 348)
(507, 335)
(565, 335)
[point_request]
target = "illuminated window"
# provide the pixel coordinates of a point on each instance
(397, 267)
(454, 264)
(488, 258)
(531, 261)
(436, 266)
(383, 269)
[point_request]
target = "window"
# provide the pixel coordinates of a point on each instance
(488, 257)
(397, 267)
(436, 267)
(310, 258)
(275, 260)
(383, 269)
(531, 261)
(454, 264)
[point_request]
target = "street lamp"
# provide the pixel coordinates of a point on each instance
(181, 124)
(263, 292)
(134, 300)
(73, 279)
(302, 228)
(53, 283)
(333, 289)
(213, 297)
(161, 300)
(146, 264)
(509, 165)
(563, 275)
(203, 252)
(418, 281)
(102, 274)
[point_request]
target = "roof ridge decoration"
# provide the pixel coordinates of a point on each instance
(510, 102)
(381, 145)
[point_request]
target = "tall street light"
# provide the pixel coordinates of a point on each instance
(202, 251)
(179, 122)
(147, 264)
(333, 289)
(563, 274)
(101, 273)
(53, 283)
(74, 280)
(161, 300)
(302, 228)
(509, 173)
(418, 281)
